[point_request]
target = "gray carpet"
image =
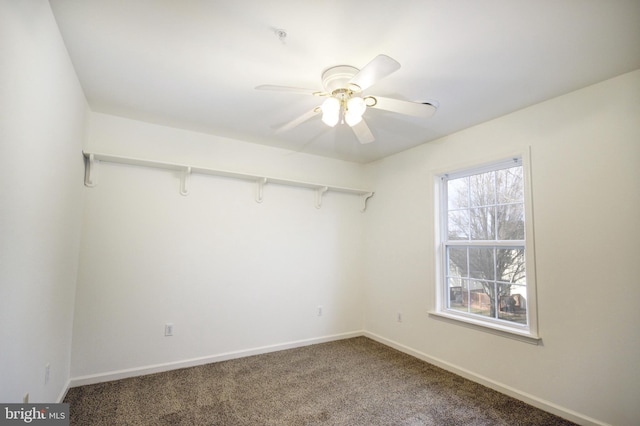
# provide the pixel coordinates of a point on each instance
(349, 382)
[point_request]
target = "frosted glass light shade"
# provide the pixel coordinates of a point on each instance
(351, 118)
(331, 111)
(356, 106)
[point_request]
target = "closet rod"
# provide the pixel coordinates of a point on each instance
(90, 179)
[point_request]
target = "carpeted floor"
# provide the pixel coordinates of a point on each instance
(349, 382)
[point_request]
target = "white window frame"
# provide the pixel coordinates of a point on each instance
(527, 333)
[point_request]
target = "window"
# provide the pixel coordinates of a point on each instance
(483, 249)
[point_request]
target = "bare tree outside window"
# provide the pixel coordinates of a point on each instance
(485, 248)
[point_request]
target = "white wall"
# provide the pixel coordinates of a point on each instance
(586, 173)
(42, 111)
(234, 275)
(231, 274)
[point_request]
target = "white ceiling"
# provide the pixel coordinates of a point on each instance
(194, 64)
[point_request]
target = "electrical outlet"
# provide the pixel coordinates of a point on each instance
(47, 369)
(168, 329)
(399, 317)
(320, 310)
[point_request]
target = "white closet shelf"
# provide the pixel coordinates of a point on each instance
(92, 157)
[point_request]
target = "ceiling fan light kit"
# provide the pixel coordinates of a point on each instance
(348, 107)
(342, 86)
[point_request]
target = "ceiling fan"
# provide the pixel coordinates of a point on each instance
(343, 86)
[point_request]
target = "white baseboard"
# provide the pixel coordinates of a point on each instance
(158, 368)
(64, 391)
(542, 404)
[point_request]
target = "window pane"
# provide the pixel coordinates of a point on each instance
(510, 265)
(458, 262)
(458, 225)
(481, 263)
(457, 293)
(510, 221)
(458, 193)
(512, 303)
(482, 223)
(482, 189)
(479, 298)
(510, 185)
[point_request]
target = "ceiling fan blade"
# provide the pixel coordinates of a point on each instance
(363, 133)
(417, 109)
(380, 67)
(299, 90)
(298, 120)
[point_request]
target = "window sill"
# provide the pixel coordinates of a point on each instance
(523, 336)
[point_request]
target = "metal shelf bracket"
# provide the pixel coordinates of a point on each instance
(90, 171)
(319, 193)
(184, 181)
(364, 198)
(260, 189)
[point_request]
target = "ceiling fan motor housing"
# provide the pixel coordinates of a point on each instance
(338, 77)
